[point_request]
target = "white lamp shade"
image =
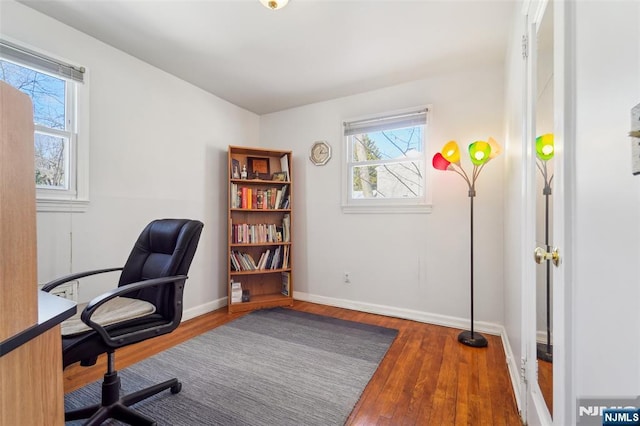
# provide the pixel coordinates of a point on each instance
(274, 4)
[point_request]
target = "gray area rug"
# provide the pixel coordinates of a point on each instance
(270, 367)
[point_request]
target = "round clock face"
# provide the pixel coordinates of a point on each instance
(320, 153)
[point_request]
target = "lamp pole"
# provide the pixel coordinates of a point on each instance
(545, 351)
(471, 338)
(544, 152)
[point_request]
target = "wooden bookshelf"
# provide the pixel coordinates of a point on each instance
(260, 215)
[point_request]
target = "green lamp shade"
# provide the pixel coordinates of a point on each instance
(544, 146)
(451, 152)
(479, 151)
(439, 162)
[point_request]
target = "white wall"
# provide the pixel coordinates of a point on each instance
(408, 264)
(607, 225)
(157, 149)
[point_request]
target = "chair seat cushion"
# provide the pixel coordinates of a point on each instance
(114, 311)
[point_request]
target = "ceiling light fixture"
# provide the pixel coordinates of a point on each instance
(274, 4)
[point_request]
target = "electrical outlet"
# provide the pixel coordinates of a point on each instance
(347, 278)
(67, 290)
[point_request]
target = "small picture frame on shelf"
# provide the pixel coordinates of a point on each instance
(279, 176)
(258, 168)
(235, 169)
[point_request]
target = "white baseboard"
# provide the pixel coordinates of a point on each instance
(541, 336)
(513, 367)
(196, 311)
(426, 317)
(409, 314)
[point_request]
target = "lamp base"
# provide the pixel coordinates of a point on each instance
(475, 340)
(545, 352)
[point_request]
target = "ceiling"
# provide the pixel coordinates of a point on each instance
(312, 50)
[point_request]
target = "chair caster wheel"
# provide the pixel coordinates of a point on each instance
(176, 388)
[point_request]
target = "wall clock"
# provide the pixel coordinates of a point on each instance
(320, 153)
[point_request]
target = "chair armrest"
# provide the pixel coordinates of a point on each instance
(120, 340)
(59, 281)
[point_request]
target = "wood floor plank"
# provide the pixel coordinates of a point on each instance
(419, 410)
(426, 377)
(466, 381)
(391, 395)
(545, 380)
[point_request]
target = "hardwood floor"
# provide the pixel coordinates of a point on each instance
(545, 380)
(426, 378)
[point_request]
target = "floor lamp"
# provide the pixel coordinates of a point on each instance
(448, 158)
(544, 152)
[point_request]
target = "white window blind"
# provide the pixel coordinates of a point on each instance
(410, 119)
(39, 61)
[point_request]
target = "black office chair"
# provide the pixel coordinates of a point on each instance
(153, 281)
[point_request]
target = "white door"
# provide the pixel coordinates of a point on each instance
(549, 396)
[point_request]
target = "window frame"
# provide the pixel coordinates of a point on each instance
(384, 205)
(75, 198)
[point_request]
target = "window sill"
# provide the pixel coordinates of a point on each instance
(61, 206)
(385, 209)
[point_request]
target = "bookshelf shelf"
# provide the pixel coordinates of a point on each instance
(260, 210)
(261, 301)
(259, 243)
(260, 271)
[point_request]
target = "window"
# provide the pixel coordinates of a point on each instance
(385, 163)
(53, 88)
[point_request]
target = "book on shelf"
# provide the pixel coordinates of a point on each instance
(286, 228)
(284, 164)
(245, 197)
(285, 257)
(283, 197)
(277, 258)
(246, 233)
(242, 261)
(272, 197)
(260, 199)
(236, 292)
(234, 195)
(286, 283)
(280, 196)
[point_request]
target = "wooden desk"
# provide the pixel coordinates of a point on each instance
(31, 368)
(52, 310)
(31, 390)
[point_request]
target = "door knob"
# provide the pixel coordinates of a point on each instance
(540, 255)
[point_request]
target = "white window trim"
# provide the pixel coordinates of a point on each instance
(385, 205)
(76, 198)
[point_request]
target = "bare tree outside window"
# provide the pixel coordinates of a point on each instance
(49, 110)
(388, 163)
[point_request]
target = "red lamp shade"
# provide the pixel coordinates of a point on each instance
(439, 162)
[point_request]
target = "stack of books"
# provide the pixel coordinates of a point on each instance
(236, 292)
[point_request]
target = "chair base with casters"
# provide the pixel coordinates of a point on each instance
(113, 406)
(147, 303)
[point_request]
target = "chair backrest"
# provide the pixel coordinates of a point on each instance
(164, 248)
